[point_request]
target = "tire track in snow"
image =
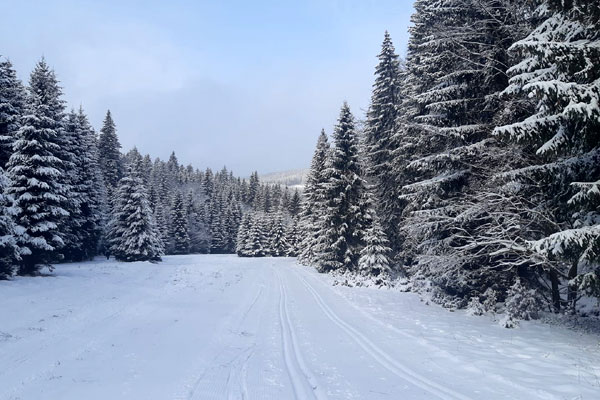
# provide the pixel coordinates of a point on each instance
(304, 384)
(380, 355)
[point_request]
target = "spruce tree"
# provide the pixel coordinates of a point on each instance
(447, 159)
(83, 227)
(93, 206)
(255, 243)
(38, 180)
(295, 204)
(314, 200)
(134, 235)
(243, 235)
(343, 218)
(374, 257)
(557, 67)
(109, 156)
(12, 107)
(379, 145)
(293, 239)
(278, 241)
(179, 226)
(9, 251)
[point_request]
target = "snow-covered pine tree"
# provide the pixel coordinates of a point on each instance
(314, 200)
(232, 222)
(71, 147)
(255, 243)
(94, 204)
(9, 251)
(379, 144)
(36, 172)
(265, 223)
(197, 230)
(292, 235)
(179, 231)
(162, 225)
(218, 239)
(278, 241)
(134, 235)
(559, 68)
(447, 155)
(83, 227)
(295, 204)
(109, 155)
(375, 255)
(12, 105)
(253, 187)
(243, 235)
(343, 218)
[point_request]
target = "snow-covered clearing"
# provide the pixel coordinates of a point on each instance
(222, 327)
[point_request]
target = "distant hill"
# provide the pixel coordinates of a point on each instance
(293, 178)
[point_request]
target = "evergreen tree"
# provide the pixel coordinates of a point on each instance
(447, 159)
(256, 239)
(134, 235)
(36, 172)
(241, 246)
(253, 187)
(9, 251)
(109, 156)
(278, 241)
(12, 107)
(379, 146)
(374, 257)
(314, 201)
(295, 204)
(83, 227)
(340, 237)
(558, 67)
(179, 226)
(293, 239)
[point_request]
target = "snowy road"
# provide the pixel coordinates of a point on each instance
(221, 327)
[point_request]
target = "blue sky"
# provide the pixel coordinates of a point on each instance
(247, 84)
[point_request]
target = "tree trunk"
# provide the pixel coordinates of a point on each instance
(555, 292)
(572, 289)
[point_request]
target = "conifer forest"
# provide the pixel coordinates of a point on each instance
(471, 183)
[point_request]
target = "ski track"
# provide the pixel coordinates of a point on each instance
(304, 383)
(220, 327)
(533, 393)
(379, 355)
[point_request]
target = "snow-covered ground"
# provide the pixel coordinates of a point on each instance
(221, 327)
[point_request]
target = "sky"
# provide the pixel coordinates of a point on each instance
(245, 84)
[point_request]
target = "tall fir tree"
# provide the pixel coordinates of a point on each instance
(109, 155)
(9, 251)
(379, 138)
(38, 181)
(12, 107)
(343, 218)
(558, 67)
(179, 226)
(314, 201)
(278, 241)
(134, 235)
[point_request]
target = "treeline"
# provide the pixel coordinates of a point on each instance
(68, 194)
(477, 173)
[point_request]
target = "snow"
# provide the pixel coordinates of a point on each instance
(222, 327)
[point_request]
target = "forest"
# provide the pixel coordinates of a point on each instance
(473, 178)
